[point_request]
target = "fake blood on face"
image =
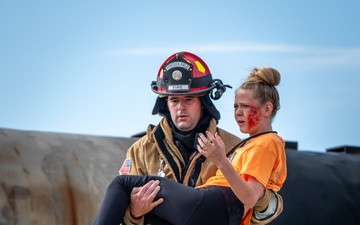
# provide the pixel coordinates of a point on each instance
(253, 117)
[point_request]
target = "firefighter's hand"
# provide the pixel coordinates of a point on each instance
(142, 198)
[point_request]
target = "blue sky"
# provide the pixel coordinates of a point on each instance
(85, 67)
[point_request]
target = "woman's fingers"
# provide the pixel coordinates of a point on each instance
(205, 140)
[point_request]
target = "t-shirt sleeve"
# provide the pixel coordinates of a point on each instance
(258, 162)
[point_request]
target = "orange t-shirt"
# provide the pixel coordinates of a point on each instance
(262, 157)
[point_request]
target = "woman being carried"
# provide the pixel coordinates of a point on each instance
(257, 164)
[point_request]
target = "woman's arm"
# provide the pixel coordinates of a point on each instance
(250, 191)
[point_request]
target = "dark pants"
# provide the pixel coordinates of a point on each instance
(182, 205)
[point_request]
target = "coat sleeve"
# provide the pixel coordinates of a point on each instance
(135, 164)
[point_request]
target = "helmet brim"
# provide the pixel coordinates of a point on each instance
(191, 92)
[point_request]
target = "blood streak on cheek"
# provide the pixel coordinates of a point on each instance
(253, 117)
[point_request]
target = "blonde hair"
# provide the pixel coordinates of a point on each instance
(263, 81)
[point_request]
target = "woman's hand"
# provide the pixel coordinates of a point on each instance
(213, 148)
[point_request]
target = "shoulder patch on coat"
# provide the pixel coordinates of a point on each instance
(125, 168)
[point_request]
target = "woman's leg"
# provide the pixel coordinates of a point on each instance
(150, 218)
(117, 199)
(187, 205)
(182, 204)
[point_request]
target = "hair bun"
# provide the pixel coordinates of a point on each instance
(266, 75)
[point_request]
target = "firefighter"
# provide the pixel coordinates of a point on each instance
(185, 89)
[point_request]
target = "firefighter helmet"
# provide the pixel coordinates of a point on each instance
(185, 73)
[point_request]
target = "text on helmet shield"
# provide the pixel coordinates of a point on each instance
(180, 87)
(177, 64)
